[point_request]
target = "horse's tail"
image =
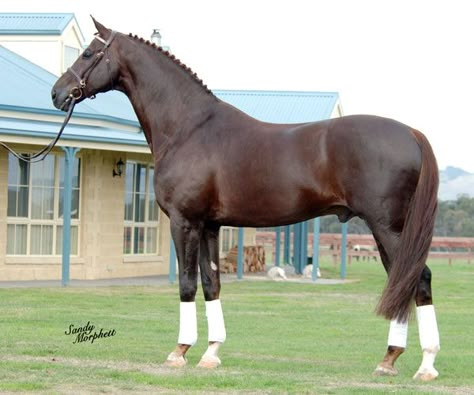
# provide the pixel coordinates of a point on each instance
(415, 239)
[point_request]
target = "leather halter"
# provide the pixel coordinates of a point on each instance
(77, 92)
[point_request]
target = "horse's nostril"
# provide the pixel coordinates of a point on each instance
(53, 94)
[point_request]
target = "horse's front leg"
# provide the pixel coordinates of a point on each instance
(186, 237)
(210, 278)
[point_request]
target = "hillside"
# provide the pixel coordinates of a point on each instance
(454, 182)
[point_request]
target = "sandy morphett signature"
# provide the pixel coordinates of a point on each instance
(86, 333)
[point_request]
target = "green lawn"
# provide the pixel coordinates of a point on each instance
(281, 338)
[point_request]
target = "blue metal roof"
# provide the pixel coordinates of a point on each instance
(27, 87)
(49, 130)
(282, 106)
(34, 23)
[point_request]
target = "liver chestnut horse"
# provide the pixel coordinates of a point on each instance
(215, 165)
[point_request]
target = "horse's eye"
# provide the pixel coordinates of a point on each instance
(87, 53)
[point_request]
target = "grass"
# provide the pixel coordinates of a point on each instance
(281, 338)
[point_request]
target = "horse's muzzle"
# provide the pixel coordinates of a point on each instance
(60, 101)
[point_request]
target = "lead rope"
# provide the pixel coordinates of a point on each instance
(44, 152)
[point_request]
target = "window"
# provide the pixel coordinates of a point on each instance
(141, 211)
(229, 238)
(35, 206)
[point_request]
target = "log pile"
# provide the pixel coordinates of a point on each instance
(254, 260)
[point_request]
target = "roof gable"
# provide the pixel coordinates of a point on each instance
(34, 23)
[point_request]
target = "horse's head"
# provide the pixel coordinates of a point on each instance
(91, 73)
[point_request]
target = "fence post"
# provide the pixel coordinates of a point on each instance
(297, 247)
(172, 273)
(316, 227)
(304, 246)
(344, 250)
(286, 248)
(240, 254)
(277, 246)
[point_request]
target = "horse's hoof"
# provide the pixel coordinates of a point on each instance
(381, 370)
(426, 374)
(209, 362)
(175, 361)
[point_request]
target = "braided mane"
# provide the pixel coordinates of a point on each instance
(172, 58)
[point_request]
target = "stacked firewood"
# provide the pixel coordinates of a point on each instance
(254, 260)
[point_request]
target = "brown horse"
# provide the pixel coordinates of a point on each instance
(215, 165)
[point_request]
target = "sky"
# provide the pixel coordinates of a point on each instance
(410, 60)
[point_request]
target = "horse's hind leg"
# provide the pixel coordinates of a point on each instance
(398, 331)
(210, 278)
(427, 324)
(186, 237)
(427, 328)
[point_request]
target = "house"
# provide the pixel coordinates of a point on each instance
(51, 41)
(116, 229)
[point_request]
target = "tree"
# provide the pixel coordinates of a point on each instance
(455, 217)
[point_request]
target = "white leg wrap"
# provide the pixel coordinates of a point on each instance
(187, 323)
(429, 341)
(427, 327)
(427, 364)
(398, 333)
(215, 321)
(211, 352)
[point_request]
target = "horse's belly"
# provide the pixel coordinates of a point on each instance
(272, 207)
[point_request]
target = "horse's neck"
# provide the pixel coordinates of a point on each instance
(167, 101)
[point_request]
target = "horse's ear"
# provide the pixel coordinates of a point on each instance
(100, 28)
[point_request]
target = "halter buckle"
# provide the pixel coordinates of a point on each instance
(76, 92)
